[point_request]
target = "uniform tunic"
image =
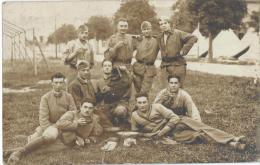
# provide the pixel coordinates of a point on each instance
(144, 70)
(52, 107)
(181, 103)
(183, 129)
(154, 119)
(70, 128)
(172, 62)
(81, 89)
(122, 55)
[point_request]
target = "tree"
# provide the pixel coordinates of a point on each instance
(100, 28)
(63, 34)
(182, 18)
(255, 20)
(136, 11)
(217, 15)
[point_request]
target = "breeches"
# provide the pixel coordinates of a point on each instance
(50, 134)
(176, 70)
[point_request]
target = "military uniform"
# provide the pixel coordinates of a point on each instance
(88, 55)
(183, 129)
(171, 44)
(116, 98)
(122, 55)
(181, 103)
(144, 69)
(52, 107)
(81, 89)
(70, 128)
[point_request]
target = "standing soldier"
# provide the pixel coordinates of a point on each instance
(120, 46)
(174, 45)
(79, 49)
(147, 49)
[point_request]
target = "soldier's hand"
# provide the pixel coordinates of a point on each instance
(119, 44)
(122, 67)
(106, 89)
(87, 141)
(80, 51)
(93, 139)
(81, 121)
(182, 53)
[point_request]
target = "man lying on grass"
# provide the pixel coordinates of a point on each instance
(52, 106)
(161, 122)
(75, 128)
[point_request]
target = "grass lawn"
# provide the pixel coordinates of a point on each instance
(234, 100)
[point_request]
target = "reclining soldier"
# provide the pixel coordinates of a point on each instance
(161, 121)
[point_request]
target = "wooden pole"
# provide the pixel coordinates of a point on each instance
(12, 52)
(56, 50)
(34, 57)
(19, 43)
(39, 46)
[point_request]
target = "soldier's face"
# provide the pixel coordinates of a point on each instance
(86, 109)
(122, 27)
(147, 31)
(83, 35)
(174, 85)
(107, 67)
(58, 84)
(142, 104)
(164, 25)
(84, 73)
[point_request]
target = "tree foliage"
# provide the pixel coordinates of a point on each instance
(254, 20)
(100, 27)
(63, 34)
(217, 15)
(136, 11)
(182, 17)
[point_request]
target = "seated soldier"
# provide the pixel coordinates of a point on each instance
(82, 88)
(52, 106)
(178, 100)
(114, 89)
(80, 127)
(161, 121)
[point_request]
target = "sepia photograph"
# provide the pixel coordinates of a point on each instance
(130, 82)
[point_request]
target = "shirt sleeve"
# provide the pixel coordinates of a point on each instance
(91, 56)
(72, 106)
(67, 52)
(66, 122)
(192, 110)
(110, 52)
(160, 97)
(133, 123)
(188, 40)
(76, 93)
(172, 118)
(44, 113)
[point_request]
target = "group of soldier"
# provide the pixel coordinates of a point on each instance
(91, 107)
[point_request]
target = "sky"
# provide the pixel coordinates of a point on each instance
(41, 15)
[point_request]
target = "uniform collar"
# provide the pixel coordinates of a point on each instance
(82, 81)
(56, 94)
